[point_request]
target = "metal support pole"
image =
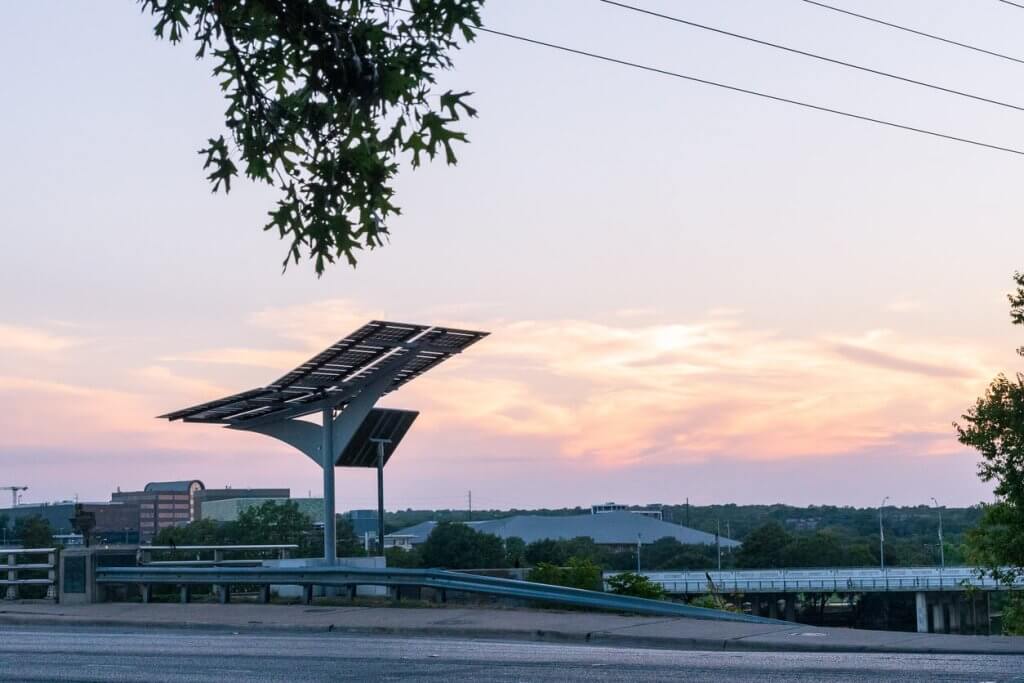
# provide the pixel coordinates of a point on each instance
(942, 545)
(380, 496)
(327, 462)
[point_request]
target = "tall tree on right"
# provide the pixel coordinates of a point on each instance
(995, 427)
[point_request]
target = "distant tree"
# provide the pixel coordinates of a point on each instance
(408, 559)
(200, 532)
(324, 97)
(578, 573)
(515, 551)
(452, 545)
(1013, 614)
(995, 427)
(33, 532)
(547, 551)
(764, 547)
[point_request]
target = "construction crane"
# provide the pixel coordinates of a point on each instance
(14, 493)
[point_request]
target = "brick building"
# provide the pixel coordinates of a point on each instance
(163, 504)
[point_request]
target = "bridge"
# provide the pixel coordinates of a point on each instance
(939, 592)
(833, 580)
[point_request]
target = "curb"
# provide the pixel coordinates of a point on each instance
(596, 638)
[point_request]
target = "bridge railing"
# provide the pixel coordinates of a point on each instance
(12, 573)
(438, 579)
(837, 580)
(215, 554)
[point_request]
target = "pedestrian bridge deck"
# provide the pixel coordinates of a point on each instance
(837, 579)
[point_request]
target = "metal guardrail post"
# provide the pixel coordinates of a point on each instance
(12, 575)
(51, 590)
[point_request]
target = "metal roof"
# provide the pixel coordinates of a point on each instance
(337, 374)
(609, 528)
(385, 424)
(178, 486)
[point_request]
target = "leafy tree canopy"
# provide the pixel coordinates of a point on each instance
(323, 98)
(456, 546)
(994, 426)
(33, 532)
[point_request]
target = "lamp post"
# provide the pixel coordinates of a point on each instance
(381, 443)
(639, 538)
(942, 545)
(881, 534)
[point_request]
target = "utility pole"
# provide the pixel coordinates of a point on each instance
(469, 495)
(14, 493)
(881, 534)
(639, 538)
(687, 511)
(942, 545)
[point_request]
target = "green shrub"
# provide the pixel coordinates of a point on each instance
(709, 601)
(637, 585)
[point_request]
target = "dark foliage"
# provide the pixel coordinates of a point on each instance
(324, 97)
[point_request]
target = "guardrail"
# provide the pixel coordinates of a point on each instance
(438, 579)
(14, 568)
(837, 580)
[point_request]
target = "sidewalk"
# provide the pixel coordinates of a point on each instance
(505, 624)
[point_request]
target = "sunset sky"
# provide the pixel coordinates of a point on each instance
(690, 292)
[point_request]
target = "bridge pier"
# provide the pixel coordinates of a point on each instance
(954, 613)
(921, 605)
(939, 617)
(773, 606)
(790, 608)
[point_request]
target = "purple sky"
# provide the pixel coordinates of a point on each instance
(691, 293)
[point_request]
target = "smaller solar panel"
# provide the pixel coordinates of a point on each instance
(381, 423)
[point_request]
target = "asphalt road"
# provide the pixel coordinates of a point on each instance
(107, 654)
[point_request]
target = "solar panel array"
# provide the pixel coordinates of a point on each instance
(339, 373)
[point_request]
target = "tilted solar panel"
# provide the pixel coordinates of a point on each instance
(336, 375)
(382, 423)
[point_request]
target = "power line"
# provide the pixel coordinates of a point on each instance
(746, 91)
(1014, 4)
(916, 32)
(812, 55)
(733, 88)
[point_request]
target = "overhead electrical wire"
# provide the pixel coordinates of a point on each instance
(1012, 4)
(747, 91)
(812, 55)
(914, 31)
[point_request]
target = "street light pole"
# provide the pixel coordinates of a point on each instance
(881, 533)
(639, 537)
(942, 545)
(380, 492)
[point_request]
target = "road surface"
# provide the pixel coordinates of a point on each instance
(117, 654)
